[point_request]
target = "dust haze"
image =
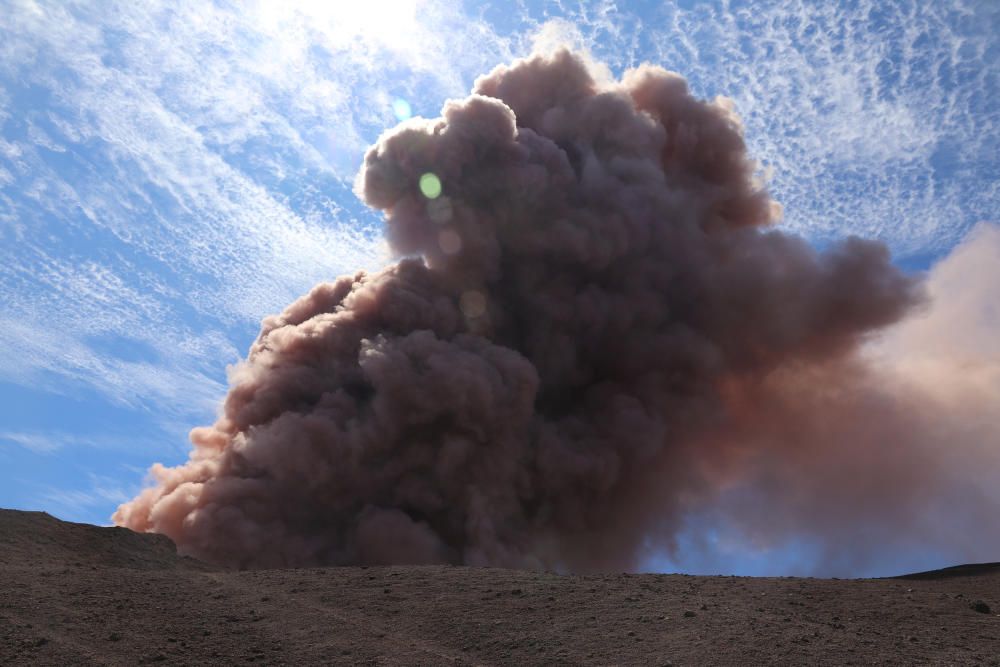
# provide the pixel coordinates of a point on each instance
(595, 329)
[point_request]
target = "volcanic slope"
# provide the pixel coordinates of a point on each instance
(78, 594)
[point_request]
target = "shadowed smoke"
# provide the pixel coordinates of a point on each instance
(595, 331)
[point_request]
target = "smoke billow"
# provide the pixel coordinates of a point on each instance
(595, 330)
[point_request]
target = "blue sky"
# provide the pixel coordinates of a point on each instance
(172, 172)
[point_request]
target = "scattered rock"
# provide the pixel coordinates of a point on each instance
(979, 606)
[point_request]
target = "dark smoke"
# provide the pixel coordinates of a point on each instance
(595, 331)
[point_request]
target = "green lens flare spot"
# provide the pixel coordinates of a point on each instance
(402, 109)
(430, 186)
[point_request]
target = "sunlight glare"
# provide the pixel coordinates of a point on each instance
(402, 109)
(388, 23)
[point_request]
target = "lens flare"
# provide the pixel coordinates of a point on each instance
(473, 303)
(430, 185)
(439, 210)
(450, 242)
(402, 109)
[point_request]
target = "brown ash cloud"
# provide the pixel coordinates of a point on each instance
(595, 329)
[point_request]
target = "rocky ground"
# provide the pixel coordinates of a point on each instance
(72, 594)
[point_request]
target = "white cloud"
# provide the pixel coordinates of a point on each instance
(170, 214)
(172, 172)
(874, 116)
(40, 443)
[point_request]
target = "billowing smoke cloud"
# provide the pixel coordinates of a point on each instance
(886, 456)
(594, 331)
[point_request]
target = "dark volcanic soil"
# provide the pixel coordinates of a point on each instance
(74, 594)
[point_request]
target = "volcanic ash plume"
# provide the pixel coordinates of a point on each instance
(595, 331)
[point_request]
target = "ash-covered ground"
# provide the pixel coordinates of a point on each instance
(75, 594)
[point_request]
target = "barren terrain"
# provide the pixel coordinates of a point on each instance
(77, 594)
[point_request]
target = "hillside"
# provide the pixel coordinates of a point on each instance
(79, 594)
